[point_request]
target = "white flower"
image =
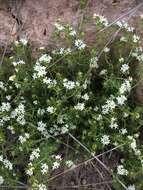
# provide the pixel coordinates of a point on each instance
(7, 164)
(16, 42)
(123, 24)
(61, 51)
(11, 78)
(99, 117)
(121, 99)
(136, 55)
(106, 49)
(41, 48)
(95, 15)
(113, 124)
(142, 162)
(121, 60)
(69, 163)
(50, 109)
(65, 129)
(125, 115)
(59, 27)
(131, 187)
(42, 187)
(27, 135)
(105, 140)
(137, 152)
(109, 106)
(123, 131)
(47, 80)
(19, 113)
(125, 87)
(124, 68)
(101, 19)
(24, 138)
(80, 106)
(72, 33)
(1, 180)
(8, 97)
(2, 122)
(40, 71)
(58, 157)
(1, 158)
(96, 108)
(21, 120)
(136, 38)
(68, 50)
(130, 137)
(35, 154)
(44, 168)
(35, 102)
(85, 97)
(121, 170)
(130, 29)
(60, 119)
(41, 126)
(5, 107)
(23, 41)
(45, 58)
(30, 170)
(123, 39)
(6, 118)
(103, 72)
(40, 112)
(69, 84)
(2, 86)
(42, 129)
(93, 62)
(56, 165)
(119, 23)
(122, 160)
(11, 128)
(17, 85)
(79, 44)
(133, 144)
(21, 62)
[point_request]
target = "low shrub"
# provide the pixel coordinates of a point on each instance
(77, 90)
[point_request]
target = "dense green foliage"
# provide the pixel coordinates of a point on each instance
(78, 89)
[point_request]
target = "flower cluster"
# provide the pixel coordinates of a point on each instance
(18, 113)
(40, 71)
(7, 164)
(100, 19)
(24, 138)
(121, 170)
(80, 44)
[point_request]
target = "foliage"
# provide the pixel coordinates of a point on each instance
(77, 89)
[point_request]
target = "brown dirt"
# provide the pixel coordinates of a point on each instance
(35, 18)
(88, 176)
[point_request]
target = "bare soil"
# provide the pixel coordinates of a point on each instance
(34, 18)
